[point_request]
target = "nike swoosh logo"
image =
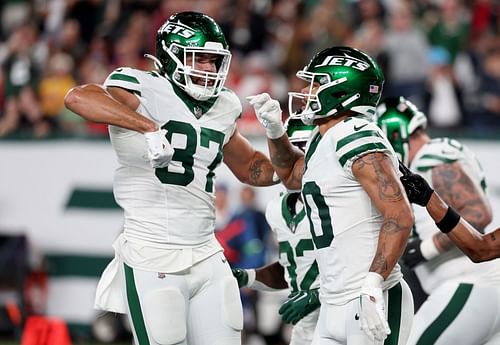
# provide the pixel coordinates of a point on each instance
(356, 317)
(358, 128)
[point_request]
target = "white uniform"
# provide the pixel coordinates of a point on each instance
(464, 302)
(170, 218)
(346, 226)
(296, 255)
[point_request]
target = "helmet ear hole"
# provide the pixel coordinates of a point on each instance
(339, 95)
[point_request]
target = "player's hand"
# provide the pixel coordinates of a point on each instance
(241, 276)
(372, 316)
(417, 189)
(299, 305)
(159, 150)
(268, 112)
(412, 255)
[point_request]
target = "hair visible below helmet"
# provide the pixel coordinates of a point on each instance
(348, 79)
(298, 133)
(189, 34)
(399, 118)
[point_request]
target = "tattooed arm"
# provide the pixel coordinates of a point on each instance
(457, 190)
(376, 174)
(247, 164)
(476, 246)
(288, 162)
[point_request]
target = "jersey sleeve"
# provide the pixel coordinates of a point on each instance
(357, 138)
(230, 100)
(437, 152)
(125, 78)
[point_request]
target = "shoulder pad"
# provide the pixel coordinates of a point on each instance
(436, 152)
(125, 78)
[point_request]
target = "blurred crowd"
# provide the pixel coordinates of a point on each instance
(444, 55)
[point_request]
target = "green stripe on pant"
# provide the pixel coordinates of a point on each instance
(449, 313)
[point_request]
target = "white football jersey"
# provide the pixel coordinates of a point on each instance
(452, 265)
(296, 248)
(173, 206)
(346, 223)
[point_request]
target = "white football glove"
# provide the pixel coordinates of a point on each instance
(372, 318)
(268, 112)
(159, 150)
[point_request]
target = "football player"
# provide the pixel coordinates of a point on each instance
(478, 247)
(296, 268)
(359, 216)
(457, 287)
(171, 128)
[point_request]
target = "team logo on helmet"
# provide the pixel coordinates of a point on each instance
(346, 60)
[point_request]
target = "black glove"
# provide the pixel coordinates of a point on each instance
(417, 189)
(412, 255)
(299, 304)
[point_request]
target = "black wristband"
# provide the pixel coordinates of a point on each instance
(449, 221)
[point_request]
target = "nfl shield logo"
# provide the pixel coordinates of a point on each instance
(373, 89)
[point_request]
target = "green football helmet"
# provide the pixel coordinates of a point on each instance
(348, 79)
(399, 118)
(180, 41)
(298, 133)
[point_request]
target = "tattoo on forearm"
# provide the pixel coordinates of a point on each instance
(379, 263)
(391, 226)
(256, 170)
(457, 190)
(282, 156)
(388, 187)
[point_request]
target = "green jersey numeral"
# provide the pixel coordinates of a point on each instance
(311, 274)
(312, 192)
(185, 155)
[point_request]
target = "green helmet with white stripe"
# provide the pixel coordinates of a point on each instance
(183, 39)
(346, 79)
(399, 118)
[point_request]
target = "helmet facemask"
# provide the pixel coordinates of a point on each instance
(188, 77)
(310, 105)
(343, 78)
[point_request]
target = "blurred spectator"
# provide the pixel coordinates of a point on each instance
(488, 115)
(443, 109)
(21, 78)
(369, 37)
(368, 10)
(259, 76)
(451, 29)
(329, 25)
(54, 87)
(407, 51)
(222, 209)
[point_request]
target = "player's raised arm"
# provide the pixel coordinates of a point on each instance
(114, 106)
(247, 164)
(288, 161)
(478, 247)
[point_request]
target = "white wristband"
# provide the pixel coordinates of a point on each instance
(428, 249)
(275, 130)
(373, 279)
(256, 284)
(251, 277)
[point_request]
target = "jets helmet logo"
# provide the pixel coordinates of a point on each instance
(346, 60)
(178, 29)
